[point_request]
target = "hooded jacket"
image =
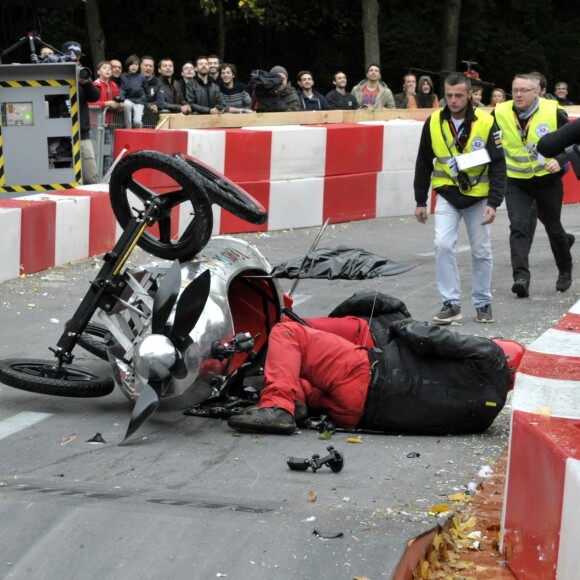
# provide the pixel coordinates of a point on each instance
(423, 100)
(315, 103)
(385, 99)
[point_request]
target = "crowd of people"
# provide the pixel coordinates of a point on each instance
(209, 86)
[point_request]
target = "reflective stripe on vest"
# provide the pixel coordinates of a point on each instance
(480, 129)
(520, 163)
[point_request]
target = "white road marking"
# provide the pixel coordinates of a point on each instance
(19, 422)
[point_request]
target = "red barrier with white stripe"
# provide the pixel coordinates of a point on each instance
(541, 518)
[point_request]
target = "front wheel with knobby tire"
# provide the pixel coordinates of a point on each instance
(46, 378)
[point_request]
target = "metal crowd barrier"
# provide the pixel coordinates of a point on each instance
(103, 125)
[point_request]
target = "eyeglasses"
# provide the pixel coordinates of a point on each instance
(522, 91)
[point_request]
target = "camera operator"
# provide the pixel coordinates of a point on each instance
(87, 93)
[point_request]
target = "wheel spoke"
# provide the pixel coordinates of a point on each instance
(165, 230)
(188, 189)
(172, 198)
(142, 192)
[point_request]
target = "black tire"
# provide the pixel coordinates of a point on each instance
(96, 339)
(337, 464)
(34, 375)
(228, 194)
(191, 187)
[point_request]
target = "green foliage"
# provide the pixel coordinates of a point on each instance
(503, 36)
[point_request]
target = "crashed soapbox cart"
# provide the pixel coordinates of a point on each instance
(186, 333)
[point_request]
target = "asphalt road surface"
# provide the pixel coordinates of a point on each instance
(189, 498)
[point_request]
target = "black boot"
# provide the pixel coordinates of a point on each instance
(265, 420)
(564, 281)
(521, 287)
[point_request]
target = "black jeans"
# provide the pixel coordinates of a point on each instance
(548, 195)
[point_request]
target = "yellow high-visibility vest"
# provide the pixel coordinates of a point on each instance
(521, 162)
(442, 137)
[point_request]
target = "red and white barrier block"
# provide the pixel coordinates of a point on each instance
(303, 174)
(44, 230)
(541, 517)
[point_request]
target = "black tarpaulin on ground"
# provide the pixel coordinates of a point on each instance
(340, 263)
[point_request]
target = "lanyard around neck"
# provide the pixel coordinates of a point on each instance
(458, 135)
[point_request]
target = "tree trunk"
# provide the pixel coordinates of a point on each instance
(450, 34)
(370, 27)
(96, 34)
(221, 49)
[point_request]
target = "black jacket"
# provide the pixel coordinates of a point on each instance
(338, 101)
(315, 103)
(154, 93)
(174, 98)
(88, 93)
(432, 381)
(203, 97)
(426, 379)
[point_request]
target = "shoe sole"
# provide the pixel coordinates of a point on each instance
(447, 320)
(245, 428)
(486, 321)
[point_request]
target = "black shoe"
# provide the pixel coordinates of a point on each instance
(571, 239)
(521, 288)
(265, 420)
(564, 281)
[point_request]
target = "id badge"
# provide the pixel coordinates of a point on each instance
(473, 159)
(452, 163)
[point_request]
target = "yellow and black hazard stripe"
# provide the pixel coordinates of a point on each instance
(43, 83)
(76, 137)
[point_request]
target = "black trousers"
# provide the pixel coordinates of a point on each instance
(520, 197)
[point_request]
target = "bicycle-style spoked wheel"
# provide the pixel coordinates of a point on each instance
(46, 378)
(146, 177)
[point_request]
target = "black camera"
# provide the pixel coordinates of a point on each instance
(465, 184)
(85, 73)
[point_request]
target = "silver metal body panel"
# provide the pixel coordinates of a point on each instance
(200, 375)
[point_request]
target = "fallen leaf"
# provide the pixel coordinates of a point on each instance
(460, 497)
(354, 439)
(68, 439)
(439, 508)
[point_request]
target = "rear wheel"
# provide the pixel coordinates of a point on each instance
(96, 339)
(229, 195)
(46, 378)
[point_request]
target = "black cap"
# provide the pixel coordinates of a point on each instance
(72, 46)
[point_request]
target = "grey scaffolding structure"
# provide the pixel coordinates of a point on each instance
(104, 123)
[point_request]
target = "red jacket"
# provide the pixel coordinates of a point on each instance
(108, 92)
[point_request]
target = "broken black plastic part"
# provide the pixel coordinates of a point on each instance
(334, 460)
